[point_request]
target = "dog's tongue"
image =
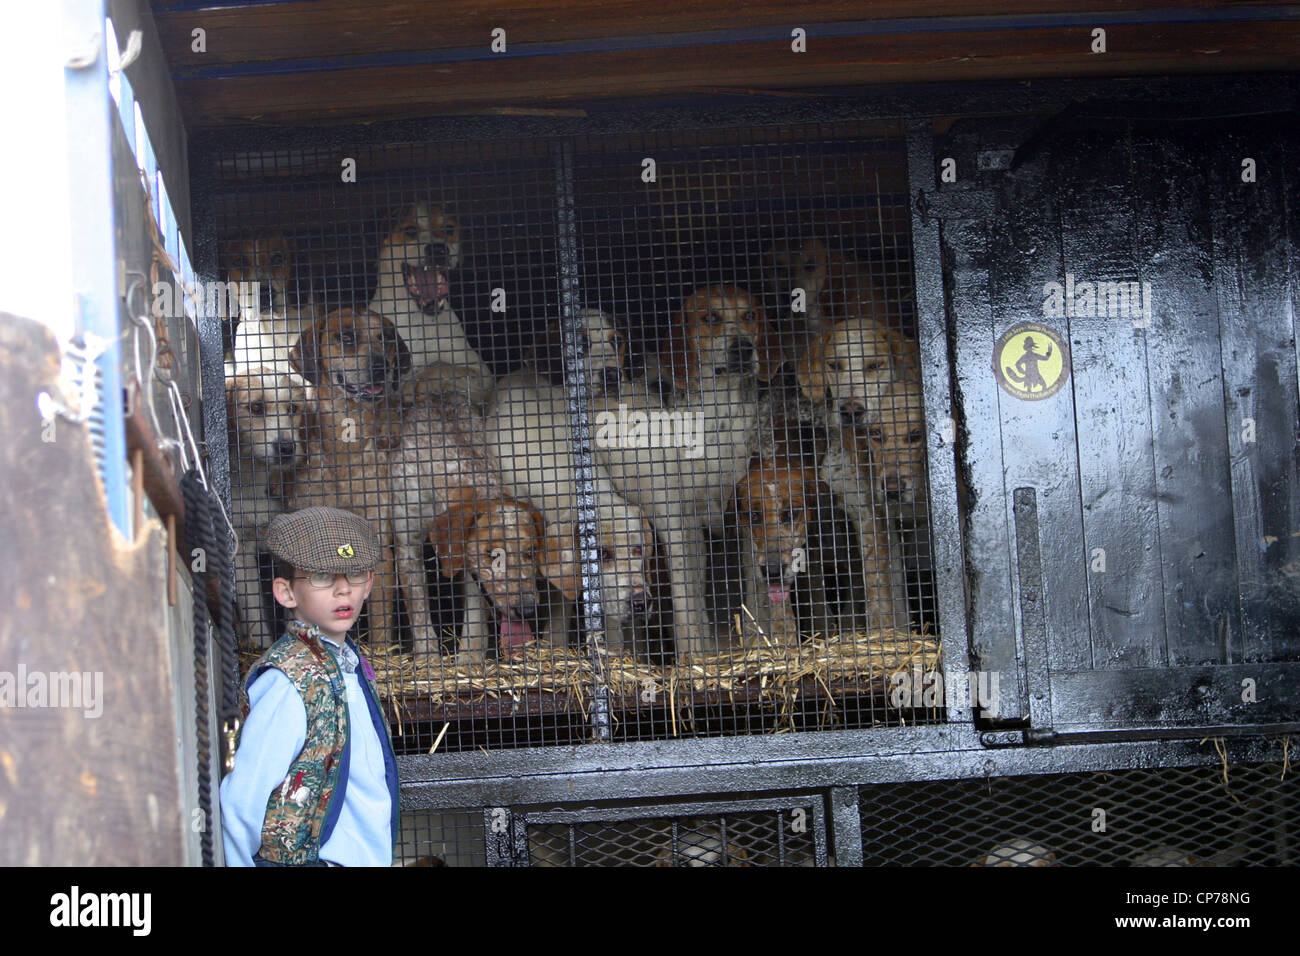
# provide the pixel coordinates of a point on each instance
(779, 593)
(514, 634)
(426, 285)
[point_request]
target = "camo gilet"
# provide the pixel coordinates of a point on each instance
(302, 806)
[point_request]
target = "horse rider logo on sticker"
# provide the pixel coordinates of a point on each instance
(345, 551)
(1031, 361)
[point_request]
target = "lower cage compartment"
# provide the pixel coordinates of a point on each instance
(1213, 815)
(1208, 816)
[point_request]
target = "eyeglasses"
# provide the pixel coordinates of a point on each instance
(324, 579)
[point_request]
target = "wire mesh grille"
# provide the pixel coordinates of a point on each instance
(636, 418)
(1165, 817)
(431, 838)
(776, 837)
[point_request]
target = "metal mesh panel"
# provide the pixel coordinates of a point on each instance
(448, 838)
(779, 836)
(637, 419)
(1164, 817)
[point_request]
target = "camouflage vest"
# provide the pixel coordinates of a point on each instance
(302, 811)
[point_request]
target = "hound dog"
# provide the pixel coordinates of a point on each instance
(848, 371)
(678, 456)
(355, 361)
(777, 505)
(798, 271)
(272, 317)
(265, 416)
(499, 547)
(415, 263)
(527, 426)
(603, 350)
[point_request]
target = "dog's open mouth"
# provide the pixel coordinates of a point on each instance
(427, 285)
(368, 392)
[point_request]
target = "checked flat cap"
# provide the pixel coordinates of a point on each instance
(324, 539)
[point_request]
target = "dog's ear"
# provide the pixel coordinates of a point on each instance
(304, 356)
(559, 562)
(395, 347)
(677, 352)
(810, 370)
(771, 355)
(450, 534)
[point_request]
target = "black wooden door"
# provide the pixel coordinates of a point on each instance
(1121, 298)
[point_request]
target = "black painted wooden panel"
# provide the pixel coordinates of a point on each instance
(1147, 453)
(1259, 360)
(1109, 378)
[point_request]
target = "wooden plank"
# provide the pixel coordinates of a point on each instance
(1039, 443)
(95, 781)
(1116, 472)
(1192, 496)
(332, 28)
(1251, 268)
(993, 633)
(394, 92)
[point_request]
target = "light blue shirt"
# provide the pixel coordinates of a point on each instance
(273, 736)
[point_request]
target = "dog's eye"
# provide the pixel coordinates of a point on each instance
(755, 517)
(239, 262)
(787, 516)
(877, 366)
(293, 408)
(411, 232)
(637, 551)
(277, 259)
(810, 267)
(915, 436)
(876, 433)
(713, 318)
(258, 409)
(606, 555)
(347, 337)
(835, 365)
(749, 316)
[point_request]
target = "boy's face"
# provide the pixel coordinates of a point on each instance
(333, 609)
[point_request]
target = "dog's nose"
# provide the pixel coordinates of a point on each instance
(526, 610)
(893, 486)
(378, 368)
(852, 411)
(611, 380)
(771, 568)
(437, 254)
(265, 297)
(740, 355)
(284, 448)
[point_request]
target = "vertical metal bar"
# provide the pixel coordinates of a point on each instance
(846, 821)
(93, 259)
(940, 426)
(580, 434)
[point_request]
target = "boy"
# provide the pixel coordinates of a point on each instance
(315, 779)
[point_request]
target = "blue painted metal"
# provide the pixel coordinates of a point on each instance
(93, 250)
(765, 34)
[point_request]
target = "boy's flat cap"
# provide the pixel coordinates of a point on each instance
(324, 539)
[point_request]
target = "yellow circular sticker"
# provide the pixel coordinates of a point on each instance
(1031, 361)
(345, 551)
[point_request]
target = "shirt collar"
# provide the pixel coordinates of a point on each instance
(347, 657)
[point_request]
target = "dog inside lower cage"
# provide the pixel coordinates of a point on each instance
(646, 453)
